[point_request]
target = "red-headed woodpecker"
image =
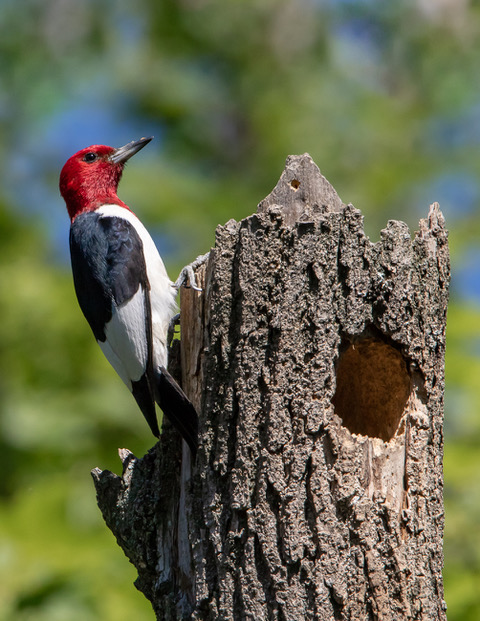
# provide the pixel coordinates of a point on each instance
(122, 285)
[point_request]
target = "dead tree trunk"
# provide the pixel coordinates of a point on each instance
(316, 360)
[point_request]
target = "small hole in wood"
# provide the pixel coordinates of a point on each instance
(373, 387)
(295, 183)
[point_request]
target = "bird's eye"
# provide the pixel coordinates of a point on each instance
(90, 157)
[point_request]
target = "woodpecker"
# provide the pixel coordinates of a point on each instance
(122, 285)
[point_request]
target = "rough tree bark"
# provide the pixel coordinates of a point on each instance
(316, 360)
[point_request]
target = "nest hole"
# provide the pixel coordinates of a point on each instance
(373, 387)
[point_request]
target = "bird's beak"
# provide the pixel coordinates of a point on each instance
(122, 154)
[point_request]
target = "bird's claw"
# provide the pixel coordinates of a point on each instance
(174, 322)
(187, 275)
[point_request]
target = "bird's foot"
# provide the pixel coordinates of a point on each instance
(187, 275)
(174, 322)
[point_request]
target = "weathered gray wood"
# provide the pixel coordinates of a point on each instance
(316, 359)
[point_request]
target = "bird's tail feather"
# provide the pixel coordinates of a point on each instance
(143, 396)
(178, 408)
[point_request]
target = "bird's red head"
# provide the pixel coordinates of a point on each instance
(90, 178)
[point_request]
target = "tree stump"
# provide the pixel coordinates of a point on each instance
(316, 361)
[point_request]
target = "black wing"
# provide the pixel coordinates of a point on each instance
(108, 266)
(178, 408)
(88, 250)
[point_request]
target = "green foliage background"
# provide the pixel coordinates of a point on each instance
(385, 98)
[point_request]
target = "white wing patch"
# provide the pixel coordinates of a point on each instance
(126, 346)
